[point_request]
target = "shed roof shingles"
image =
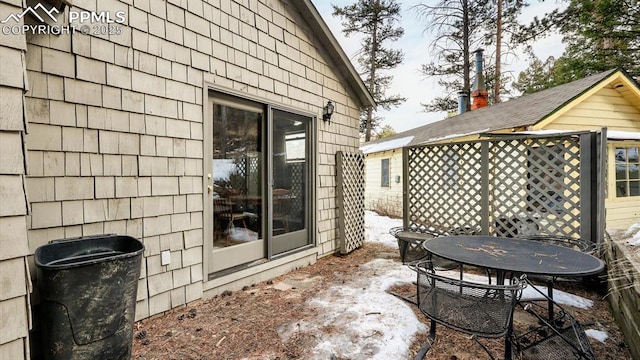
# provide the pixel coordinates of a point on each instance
(523, 111)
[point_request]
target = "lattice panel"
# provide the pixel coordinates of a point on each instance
(246, 175)
(238, 179)
(508, 172)
(444, 187)
(253, 181)
(350, 194)
(297, 173)
(535, 186)
(508, 187)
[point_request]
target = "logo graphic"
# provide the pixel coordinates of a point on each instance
(33, 11)
(101, 23)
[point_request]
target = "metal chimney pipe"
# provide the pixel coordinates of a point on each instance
(479, 92)
(479, 83)
(463, 98)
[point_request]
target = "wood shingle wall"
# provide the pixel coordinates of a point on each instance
(114, 135)
(15, 318)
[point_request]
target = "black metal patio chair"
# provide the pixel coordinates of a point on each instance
(410, 241)
(564, 241)
(480, 310)
(410, 246)
(562, 337)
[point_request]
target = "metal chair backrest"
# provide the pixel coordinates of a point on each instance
(281, 202)
(222, 207)
(281, 210)
(562, 337)
(484, 310)
(411, 246)
(566, 241)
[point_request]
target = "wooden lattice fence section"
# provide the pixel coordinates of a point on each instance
(510, 186)
(444, 188)
(350, 194)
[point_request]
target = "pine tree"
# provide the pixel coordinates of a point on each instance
(376, 20)
(599, 35)
(460, 27)
(538, 76)
(386, 131)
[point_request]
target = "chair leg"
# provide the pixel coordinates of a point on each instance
(484, 347)
(432, 337)
(246, 229)
(550, 295)
(412, 299)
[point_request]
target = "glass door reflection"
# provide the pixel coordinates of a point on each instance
(237, 181)
(289, 209)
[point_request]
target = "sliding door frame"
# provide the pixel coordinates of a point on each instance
(209, 89)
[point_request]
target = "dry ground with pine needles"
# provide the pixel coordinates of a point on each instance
(245, 324)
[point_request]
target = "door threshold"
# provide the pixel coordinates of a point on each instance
(231, 270)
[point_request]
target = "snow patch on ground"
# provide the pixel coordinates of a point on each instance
(360, 320)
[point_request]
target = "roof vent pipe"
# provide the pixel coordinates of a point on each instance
(479, 92)
(463, 98)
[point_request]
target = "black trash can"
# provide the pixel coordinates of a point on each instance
(88, 288)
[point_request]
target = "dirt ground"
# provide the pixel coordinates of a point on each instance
(245, 324)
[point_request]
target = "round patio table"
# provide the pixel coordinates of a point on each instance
(515, 255)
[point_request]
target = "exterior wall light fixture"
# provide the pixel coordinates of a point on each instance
(327, 111)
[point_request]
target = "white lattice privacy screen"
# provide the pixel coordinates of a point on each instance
(510, 186)
(350, 188)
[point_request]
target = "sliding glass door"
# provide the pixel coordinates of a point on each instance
(257, 183)
(236, 183)
(290, 185)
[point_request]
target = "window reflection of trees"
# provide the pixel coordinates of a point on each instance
(236, 145)
(236, 131)
(627, 164)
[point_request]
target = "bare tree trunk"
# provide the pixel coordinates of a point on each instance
(367, 134)
(496, 83)
(466, 50)
(372, 75)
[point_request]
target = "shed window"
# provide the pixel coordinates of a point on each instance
(627, 171)
(384, 166)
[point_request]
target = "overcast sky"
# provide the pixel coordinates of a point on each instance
(407, 80)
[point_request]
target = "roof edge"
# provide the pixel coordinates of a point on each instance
(560, 110)
(631, 82)
(325, 35)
